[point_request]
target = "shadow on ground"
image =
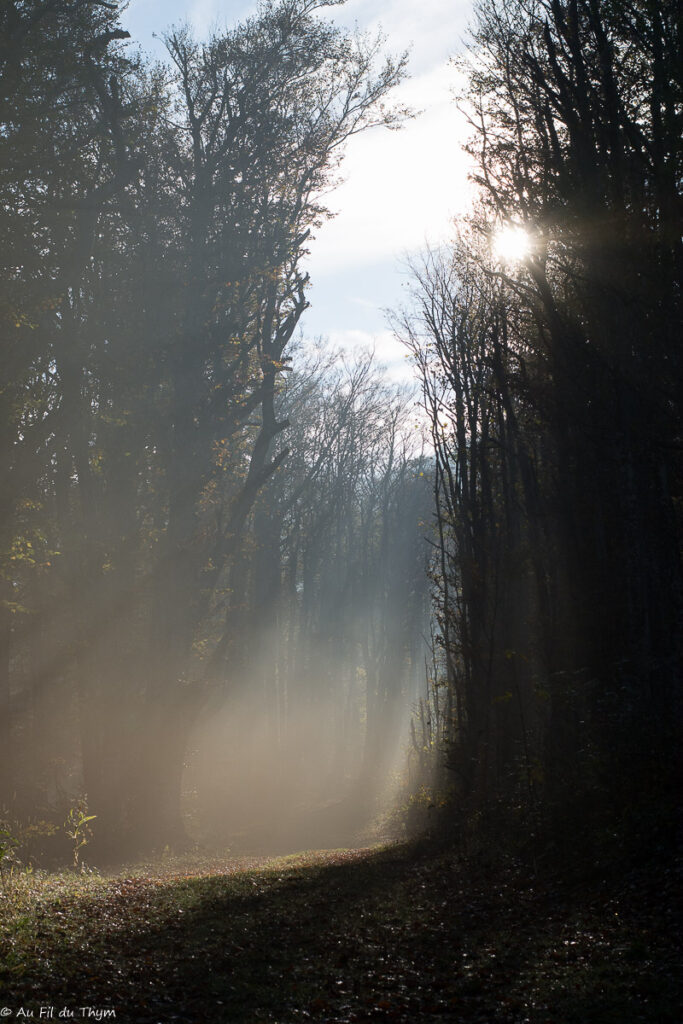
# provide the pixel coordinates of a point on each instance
(391, 935)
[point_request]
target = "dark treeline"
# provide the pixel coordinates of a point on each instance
(183, 510)
(553, 384)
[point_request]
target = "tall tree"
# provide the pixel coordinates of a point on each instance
(63, 156)
(552, 381)
(160, 286)
(578, 136)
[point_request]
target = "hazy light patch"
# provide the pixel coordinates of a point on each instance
(511, 244)
(294, 774)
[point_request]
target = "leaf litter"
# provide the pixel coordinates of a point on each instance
(398, 934)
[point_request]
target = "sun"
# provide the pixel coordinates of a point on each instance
(511, 244)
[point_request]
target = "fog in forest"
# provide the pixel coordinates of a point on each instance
(252, 589)
(257, 782)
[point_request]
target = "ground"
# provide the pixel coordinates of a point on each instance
(397, 934)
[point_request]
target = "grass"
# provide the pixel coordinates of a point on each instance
(392, 933)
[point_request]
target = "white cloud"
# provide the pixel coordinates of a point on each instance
(401, 188)
(203, 15)
(143, 17)
(389, 352)
(431, 28)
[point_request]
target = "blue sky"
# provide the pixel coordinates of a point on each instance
(400, 190)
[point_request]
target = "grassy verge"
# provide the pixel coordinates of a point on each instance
(391, 934)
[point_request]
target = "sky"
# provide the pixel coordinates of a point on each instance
(399, 191)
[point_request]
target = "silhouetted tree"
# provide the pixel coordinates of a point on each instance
(558, 380)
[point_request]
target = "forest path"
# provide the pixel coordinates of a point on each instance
(389, 934)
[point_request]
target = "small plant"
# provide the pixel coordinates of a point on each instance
(78, 829)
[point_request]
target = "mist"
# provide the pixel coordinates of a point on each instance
(303, 740)
(254, 782)
(289, 725)
(196, 504)
(263, 605)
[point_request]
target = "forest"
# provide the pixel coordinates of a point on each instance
(326, 695)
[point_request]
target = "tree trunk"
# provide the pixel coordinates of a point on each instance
(6, 752)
